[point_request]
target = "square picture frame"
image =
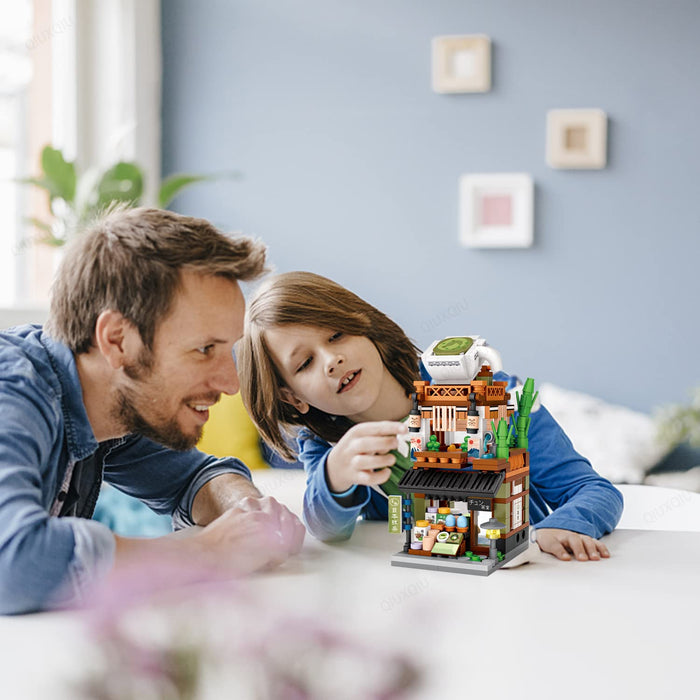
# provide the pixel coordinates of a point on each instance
(577, 139)
(461, 63)
(496, 210)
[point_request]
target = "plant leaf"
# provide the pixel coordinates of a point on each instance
(38, 223)
(42, 183)
(123, 182)
(51, 240)
(36, 181)
(59, 175)
(174, 184)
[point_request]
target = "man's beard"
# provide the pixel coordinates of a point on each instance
(166, 432)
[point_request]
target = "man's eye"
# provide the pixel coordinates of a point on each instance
(335, 336)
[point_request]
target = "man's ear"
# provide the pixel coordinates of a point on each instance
(116, 338)
(288, 396)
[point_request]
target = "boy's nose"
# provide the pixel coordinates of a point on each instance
(333, 363)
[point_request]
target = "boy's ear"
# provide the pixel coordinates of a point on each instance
(288, 396)
(116, 338)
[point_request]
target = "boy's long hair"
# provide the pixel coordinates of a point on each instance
(130, 261)
(309, 299)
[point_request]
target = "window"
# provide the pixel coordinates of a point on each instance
(15, 78)
(28, 39)
(516, 518)
(482, 517)
(54, 55)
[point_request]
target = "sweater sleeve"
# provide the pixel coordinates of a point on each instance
(166, 480)
(327, 517)
(562, 480)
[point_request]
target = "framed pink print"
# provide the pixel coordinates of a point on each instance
(496, 210)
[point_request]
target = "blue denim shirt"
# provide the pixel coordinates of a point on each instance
(51, 468)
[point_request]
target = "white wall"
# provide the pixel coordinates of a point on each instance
(351, 163)
(16, 317)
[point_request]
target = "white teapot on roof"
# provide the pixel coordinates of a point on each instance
(457, 359)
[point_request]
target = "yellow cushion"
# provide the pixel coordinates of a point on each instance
(229, 432)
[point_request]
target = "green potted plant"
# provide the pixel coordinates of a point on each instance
(680, 423)
(75, 199)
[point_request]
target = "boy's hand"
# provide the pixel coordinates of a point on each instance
(564, 544)
(362, 455)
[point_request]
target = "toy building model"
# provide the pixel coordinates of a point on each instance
(464, 503)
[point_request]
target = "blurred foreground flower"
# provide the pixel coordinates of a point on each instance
(181, 634)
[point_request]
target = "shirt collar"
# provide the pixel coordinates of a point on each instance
(80, 439)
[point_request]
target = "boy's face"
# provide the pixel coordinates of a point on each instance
(166, 395)
(342, 375)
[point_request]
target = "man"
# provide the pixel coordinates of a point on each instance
(145, 312)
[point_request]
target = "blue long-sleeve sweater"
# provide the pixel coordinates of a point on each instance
(565, 490)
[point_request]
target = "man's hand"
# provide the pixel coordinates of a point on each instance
(362, 455)
(564, 544)
(256, 533)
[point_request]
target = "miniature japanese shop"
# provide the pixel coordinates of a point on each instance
(464, 503)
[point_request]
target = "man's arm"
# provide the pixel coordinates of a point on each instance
(256, 532)
(43, 560)
(241, 529)
(219, 494)
(191, 486)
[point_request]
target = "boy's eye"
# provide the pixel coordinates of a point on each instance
(304, 364)
(335, 336)
(206, 349)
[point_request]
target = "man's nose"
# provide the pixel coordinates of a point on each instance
(225, 379)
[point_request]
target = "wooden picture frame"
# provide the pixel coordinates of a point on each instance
(577, 138)
(462, 63)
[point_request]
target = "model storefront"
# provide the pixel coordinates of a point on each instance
(465, 504)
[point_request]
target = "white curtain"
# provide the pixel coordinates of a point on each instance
(107, 84)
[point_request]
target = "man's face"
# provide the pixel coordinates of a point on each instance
(166, 394)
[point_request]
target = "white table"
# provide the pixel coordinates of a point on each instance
(626, 627)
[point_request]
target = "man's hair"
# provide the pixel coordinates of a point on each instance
(312, 300)
(130, 261)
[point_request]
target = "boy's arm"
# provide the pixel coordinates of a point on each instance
(581, 500)
(328, 517)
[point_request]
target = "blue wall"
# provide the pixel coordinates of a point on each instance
(350, 167)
